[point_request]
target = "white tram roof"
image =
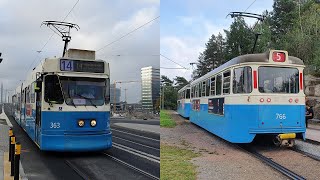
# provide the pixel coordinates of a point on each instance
(252, 58)
(52, 65)
(184, 87)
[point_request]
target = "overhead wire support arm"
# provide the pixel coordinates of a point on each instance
(63, 30)
(249, 15)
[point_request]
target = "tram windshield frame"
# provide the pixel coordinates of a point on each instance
(84, 91)
(278, 80)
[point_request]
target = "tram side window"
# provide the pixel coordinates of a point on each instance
(32, 95)
(28, 94)
(22, 96)
(218, 85)
(242, 79)
(191, 92)
(53, 91)
(208, 88)
(200, 89)
(213, 86)
(107, 95)
(203, 93)
(196, 91)
(188, 94)
(226, 82)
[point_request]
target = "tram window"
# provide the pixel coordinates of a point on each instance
(213, 86)
(242, 80)
(52, 90)
(203, 92)
(188, 94)
(200, 89)
(22, 96)
(32, 95)
(278, 80)
(196, 91)
(218, 85)
(208, 88)
(226, 82)
(191, 92)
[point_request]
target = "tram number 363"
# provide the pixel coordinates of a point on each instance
(54, 125)
(281, 116)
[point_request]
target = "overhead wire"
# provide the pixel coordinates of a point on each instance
(51, 37)
(250, 5)
(128, 33)
(173, 61)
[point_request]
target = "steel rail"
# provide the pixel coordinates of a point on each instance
(77, 170)
(132, 167)
(274, 165)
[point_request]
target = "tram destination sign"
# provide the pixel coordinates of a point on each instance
(81, 66)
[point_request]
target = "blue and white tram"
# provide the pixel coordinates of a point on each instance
(63, 105)
(251, 95)
(183, 102)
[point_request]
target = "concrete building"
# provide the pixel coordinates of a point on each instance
(150, 81)
(118, 94)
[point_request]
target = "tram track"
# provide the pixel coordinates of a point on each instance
(76, 169)
(131, 166)
(288, 173)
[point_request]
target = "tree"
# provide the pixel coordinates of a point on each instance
(239, 39)
(180, 82)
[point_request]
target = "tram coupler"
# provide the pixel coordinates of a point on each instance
(286, 140)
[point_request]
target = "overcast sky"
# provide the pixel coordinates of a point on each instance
(100, 21)
(186, 25)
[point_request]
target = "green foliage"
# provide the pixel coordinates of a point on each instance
(284, 28)
(170, 90)
(166, 120)
(175, 163)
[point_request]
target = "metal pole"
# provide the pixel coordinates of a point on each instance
(13, 143)
(17, 161)
(114, 98)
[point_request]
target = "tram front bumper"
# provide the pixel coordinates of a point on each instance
(76, 142)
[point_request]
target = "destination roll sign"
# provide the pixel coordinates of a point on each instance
(81, 66)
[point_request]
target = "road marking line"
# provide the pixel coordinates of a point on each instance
(136, 143)
(138, 153)
(135, 135)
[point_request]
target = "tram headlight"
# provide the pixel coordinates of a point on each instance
(81, 123)
(93, 123)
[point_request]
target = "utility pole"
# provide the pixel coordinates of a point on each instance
(125, 99)
(1, 93)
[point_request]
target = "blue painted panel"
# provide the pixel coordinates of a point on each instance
(184, 111)
(68, 136)
(240, 123)
(277, 116)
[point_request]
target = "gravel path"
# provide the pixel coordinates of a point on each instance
(219, 159)
(296, 162)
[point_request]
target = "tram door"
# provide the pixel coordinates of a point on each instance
(38, 112)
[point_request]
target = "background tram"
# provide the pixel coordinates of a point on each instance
(64, 103)
(252, 95)
(183, 103)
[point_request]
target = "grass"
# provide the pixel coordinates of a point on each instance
(166, 120)
(175, 163)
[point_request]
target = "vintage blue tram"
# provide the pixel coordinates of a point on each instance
(63, 105)
(252, 95)
(183, 103)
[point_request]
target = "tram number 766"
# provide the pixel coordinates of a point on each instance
(281, 116)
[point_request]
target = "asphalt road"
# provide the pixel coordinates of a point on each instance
(134, 155)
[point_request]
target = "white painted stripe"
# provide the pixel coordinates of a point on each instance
(136, 152)
(135, 135)
(157, 149)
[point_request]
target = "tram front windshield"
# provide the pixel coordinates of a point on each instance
(278, 80)
(79, 91)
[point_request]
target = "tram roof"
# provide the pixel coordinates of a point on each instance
(248, 58)
(184, 87)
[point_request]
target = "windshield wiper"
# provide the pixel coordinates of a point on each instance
(87, 99)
